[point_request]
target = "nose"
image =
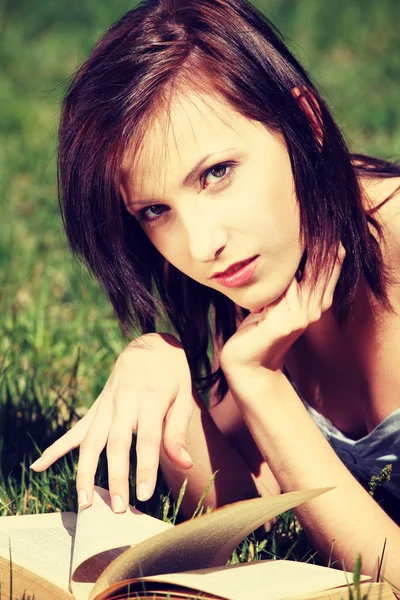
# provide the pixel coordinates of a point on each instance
(207, 237)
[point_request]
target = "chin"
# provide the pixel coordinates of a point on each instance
(257, 308)
(257, 302)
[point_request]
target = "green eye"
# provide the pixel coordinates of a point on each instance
(152, 212)
(215, 174)
(218, 171)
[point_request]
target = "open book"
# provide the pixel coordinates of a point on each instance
(100, 555)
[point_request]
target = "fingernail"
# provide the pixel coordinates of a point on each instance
(143, 491)
(36, 464)
(82, 499)
(185, 455)
(117, 504)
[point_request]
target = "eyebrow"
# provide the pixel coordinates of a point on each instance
(192, 175)
(189, 178)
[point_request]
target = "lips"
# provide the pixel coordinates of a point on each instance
(238, 274)
(233, 268)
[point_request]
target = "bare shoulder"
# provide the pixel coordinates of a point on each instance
(382, 195)
(383, 203)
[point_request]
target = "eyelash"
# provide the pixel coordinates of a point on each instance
(229, 166)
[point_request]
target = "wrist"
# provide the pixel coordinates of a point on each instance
(252, 383)
(239, 366)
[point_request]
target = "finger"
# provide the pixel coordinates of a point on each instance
(176, 427)
(254, 318)
(66, 443)
(90, 449)
(73, 438)
(148, 441)
(118, 447)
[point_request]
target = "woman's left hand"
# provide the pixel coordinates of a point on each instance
(264, 338)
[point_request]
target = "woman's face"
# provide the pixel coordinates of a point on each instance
(211, 189)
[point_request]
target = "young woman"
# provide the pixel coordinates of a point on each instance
(203, 180)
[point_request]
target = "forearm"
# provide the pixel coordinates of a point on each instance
(211, 453)
(299, 456)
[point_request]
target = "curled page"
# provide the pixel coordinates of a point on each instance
(207, 541)
(269, 580)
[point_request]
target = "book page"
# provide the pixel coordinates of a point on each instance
(101, 536)
(368, 590)
(206, 541)
(269, 580)
(55, 545)
(18, 582)
(40, 543)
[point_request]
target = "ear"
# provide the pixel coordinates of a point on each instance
(307, 102)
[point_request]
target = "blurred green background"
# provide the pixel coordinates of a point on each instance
(58, 338)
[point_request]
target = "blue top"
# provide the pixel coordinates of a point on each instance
(368, 455)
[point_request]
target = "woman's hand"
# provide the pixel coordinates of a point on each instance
(149, 391)
(264, 338)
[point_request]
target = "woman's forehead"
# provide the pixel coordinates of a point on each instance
(192, 127)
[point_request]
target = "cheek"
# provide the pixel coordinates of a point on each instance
(162, 234)
(269, 209)
(172, 245)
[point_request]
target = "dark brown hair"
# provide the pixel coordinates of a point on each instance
(230, 47)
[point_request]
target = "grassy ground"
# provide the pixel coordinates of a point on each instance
(58, 337)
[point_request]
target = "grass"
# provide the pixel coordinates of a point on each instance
(58, 337)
